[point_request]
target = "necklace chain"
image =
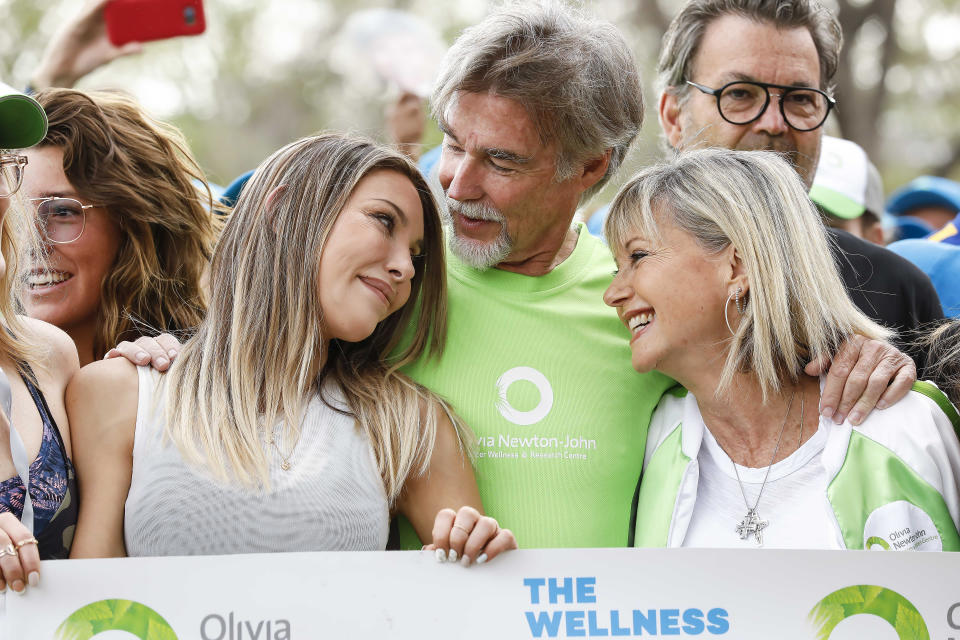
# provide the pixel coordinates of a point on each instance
(772, 459)
(284, 459)
(751, 522)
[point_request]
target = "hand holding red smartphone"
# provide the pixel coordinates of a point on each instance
(143, 20)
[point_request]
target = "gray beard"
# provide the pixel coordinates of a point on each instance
(479, 255)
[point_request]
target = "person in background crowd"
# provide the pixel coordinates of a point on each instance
(727, 285)
(758, 75)
(940, 261)
(283, 425)
(127, 235)
(38, 492)
(943, 343)
(928, 206)
(848, 190)
(539, 104)
(930, 200)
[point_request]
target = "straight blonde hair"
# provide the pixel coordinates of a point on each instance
(798, 309)
(18, 238)
(258, 356)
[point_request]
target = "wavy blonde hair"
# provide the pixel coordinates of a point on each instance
(251, 364)
(141, 169)
(798, 308)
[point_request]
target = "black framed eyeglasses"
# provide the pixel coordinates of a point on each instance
(11, 173)
(742, 102)
(62, 220)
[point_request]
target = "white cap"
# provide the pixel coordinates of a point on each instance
(847, 183)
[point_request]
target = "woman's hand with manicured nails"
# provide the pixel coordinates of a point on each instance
(21, 568)
(469, 537)
(159, 352)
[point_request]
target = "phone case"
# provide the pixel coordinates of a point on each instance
(144, 20)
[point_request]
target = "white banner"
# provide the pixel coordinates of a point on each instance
(605, 593)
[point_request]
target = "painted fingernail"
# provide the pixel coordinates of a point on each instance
(452, 556)
(481, 558)
(142, 356)
(19, 587)
(882, 404)
(34, 578)
(838, 419)
(162, 362)
(465, 561)
(441, 555)
(856, 418)
(172, 354)
(827, 412)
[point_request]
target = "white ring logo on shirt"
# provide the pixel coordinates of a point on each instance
(540, 381)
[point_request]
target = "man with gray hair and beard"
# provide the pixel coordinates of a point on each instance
(758, 74)
(539, 105)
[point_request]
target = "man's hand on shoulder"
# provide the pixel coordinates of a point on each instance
(864, 374)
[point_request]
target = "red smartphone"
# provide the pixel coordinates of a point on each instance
(143, 20)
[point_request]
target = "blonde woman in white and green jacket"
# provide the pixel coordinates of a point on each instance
(726, 284)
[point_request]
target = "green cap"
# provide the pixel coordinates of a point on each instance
(23, 122)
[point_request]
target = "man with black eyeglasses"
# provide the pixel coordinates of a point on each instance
(758, 74)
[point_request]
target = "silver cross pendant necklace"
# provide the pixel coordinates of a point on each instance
(751, 522)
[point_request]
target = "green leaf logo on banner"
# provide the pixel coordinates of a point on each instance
(865, 598)
(875, 541)
(115, 615)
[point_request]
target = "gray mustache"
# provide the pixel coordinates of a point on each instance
(474, 210)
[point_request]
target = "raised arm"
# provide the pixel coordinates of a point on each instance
(444, 505)
(102, 405)
(80, 46)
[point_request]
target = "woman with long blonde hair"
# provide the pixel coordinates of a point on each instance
(38, 493)
(127, 219)
(284, 425)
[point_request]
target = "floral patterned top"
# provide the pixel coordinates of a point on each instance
(53, 488)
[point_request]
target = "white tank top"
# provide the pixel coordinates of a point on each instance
(331, 498)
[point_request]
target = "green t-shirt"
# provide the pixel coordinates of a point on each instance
(539, 368)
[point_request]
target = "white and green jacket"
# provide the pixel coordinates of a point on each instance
(899, 470)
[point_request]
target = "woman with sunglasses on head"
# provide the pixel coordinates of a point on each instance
(127, 233)
(38, 495)
(283, 425)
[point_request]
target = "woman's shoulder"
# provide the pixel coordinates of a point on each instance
(102, 400)
(58, 357)
(924, 405)
(921, 430)
(114, 378)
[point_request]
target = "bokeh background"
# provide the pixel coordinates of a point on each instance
(269, 71)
